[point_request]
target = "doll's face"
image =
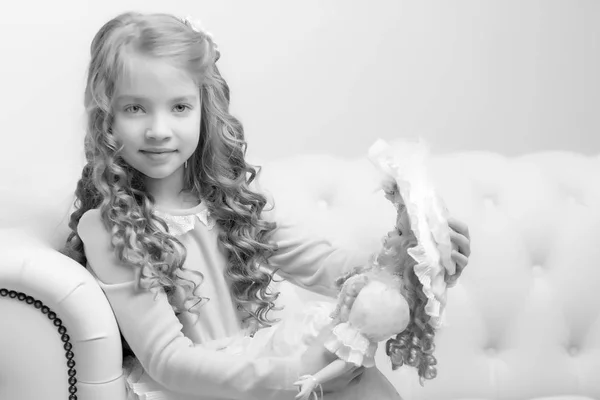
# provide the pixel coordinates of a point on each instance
(403, 222)
(397, 242)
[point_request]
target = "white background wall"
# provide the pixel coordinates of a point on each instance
(320, 76)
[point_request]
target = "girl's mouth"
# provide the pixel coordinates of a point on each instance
(158, 155)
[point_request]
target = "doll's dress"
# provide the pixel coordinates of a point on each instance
(378, 312)
(297, 331)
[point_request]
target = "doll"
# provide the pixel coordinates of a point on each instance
(402, 291)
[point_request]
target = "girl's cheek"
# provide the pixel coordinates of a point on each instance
(129, 126)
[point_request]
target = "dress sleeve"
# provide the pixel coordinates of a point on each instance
(307, 260)
(150, 326)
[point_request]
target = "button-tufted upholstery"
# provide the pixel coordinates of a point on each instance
(523, 321)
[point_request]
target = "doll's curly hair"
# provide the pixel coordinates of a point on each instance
(415, 345)
(217, 169)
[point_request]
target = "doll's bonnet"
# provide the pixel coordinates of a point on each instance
(404, 165)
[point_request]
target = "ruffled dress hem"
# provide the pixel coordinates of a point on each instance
(348, 344)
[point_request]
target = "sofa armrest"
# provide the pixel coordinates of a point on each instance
(59, 336)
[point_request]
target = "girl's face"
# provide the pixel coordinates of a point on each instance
(156, 109)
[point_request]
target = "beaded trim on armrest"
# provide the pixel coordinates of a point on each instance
(62, 330)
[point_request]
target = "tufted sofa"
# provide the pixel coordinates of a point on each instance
(523, 321)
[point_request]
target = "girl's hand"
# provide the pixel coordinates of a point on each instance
(307, 385)
(459, 235)
(316, 357)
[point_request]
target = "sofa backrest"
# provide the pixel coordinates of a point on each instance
(524, 319)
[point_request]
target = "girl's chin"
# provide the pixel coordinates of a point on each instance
(158, 174)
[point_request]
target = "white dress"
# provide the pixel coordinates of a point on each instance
(186, 343)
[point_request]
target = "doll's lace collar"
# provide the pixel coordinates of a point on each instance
(181, 221)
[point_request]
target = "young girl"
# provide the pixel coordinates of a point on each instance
(168, 222)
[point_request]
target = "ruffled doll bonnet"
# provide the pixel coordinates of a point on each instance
(403, 167)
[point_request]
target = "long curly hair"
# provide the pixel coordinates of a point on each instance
(217, 171)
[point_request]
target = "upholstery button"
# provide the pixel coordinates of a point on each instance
(323, 204)
(490, 351)
(489, 202)
(573, 351)
(576, 200)
(537, 270)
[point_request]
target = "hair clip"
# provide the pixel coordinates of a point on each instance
(196, 25)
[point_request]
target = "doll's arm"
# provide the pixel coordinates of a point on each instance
(350, 289)
(308, 383)
(333, 370)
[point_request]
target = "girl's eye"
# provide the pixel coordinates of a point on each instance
(133, 109)
(181, 108)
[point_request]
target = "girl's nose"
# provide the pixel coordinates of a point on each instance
(159, 130)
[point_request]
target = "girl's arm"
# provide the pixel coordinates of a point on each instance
(149, 325)
(308, 261)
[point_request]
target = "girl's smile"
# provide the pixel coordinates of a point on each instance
(158, 154)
